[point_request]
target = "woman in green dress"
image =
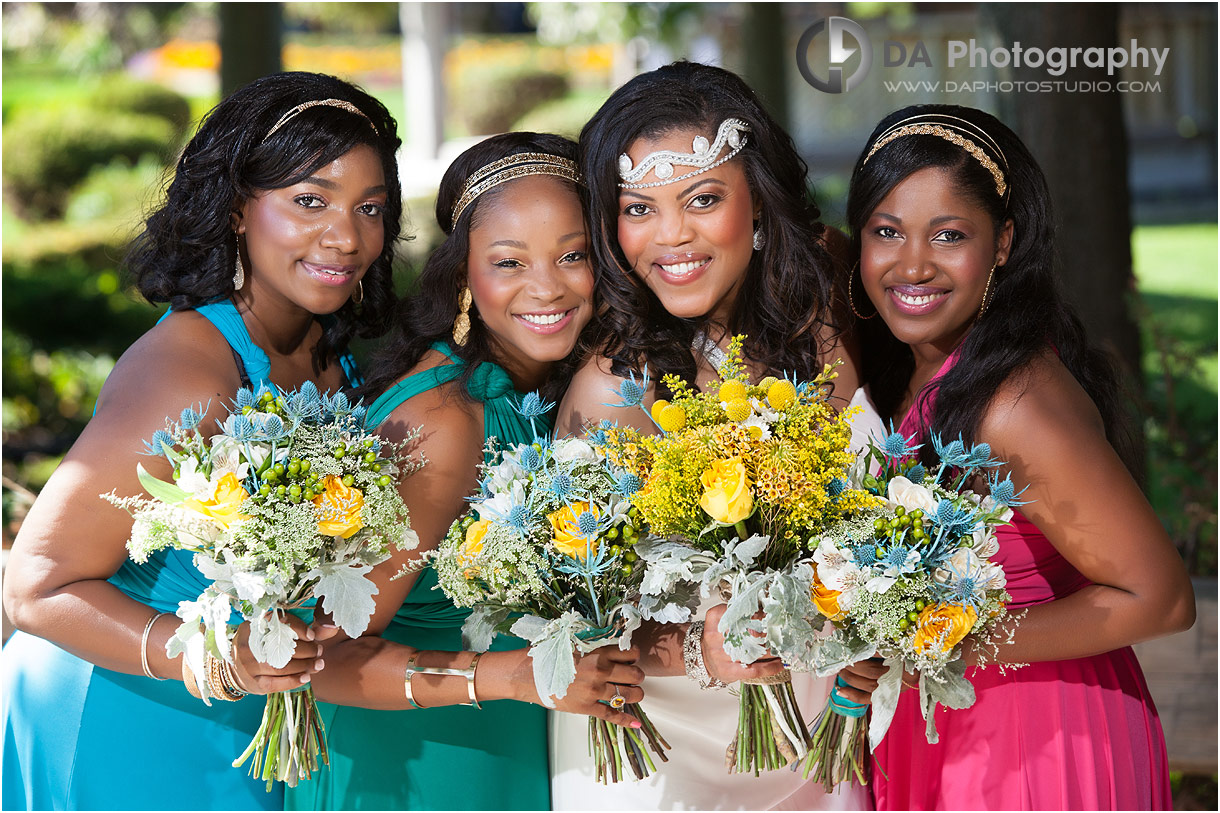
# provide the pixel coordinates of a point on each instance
(498, 309)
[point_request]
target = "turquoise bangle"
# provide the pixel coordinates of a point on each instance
(841, 705)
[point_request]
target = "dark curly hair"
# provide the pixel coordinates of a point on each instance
(427, 313)
(786, 296)
(186, 252)
(1027, 310)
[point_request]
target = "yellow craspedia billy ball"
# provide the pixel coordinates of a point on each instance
(766, 383)
(671, 418)
(732, 390)
(737, 409)
(781, 394)
(657, 406)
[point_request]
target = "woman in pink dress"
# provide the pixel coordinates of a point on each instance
(952, 219)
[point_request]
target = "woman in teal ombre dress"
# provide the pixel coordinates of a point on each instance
(515, 256)
(282, 215)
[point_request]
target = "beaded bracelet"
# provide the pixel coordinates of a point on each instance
(692, 658)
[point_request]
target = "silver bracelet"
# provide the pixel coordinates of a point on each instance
(144, 646)
(692, 657)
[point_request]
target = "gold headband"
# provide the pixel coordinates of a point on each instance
(339, 103)
(952, 133)
(518, 165)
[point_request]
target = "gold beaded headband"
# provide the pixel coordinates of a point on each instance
(339, 103)
(518, 165)
(952, 133)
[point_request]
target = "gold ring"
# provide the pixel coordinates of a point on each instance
(618, 701)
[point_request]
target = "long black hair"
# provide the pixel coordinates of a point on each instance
(786, 295)
(427, 314)
(186, 253)
(1027, 310)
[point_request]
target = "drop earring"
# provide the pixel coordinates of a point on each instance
(461, 325)
(758, 241)
(987, 290)
(239, 272)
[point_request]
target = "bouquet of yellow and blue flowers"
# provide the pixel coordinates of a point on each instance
(907, 581)
(741, 478)
(546, 553)
(292, 502)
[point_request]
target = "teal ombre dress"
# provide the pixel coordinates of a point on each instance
(80, 737)
(452, 757)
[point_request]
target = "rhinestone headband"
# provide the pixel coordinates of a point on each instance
(339, 103)
(518, 165)
(703, 157)
(952, 133)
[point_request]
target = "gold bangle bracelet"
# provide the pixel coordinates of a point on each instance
(406, 681)
(144, 646)
(443, 671)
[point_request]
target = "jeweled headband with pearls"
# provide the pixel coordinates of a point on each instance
(339, 103)
(518, 165)
(732, 132)
(955, 130)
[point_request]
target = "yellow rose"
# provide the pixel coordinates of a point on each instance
(472, 547)
(826, 600)
(339, 508)
(944, 623)
(226, 500)
(727, 497)
(566, 525)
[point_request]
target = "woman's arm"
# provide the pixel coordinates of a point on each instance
(1086, 503)
(72, 541)
(587, 401)
(369, 671)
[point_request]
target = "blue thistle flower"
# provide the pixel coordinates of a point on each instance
(630, 391)
(561, 487)
(979, 457)
(896, 556)
(339, 404)
(627, 483)
(865, 553)
(245, 398)
(588, 524)
(519, 519)
(530, 459)
(160, 444)
(836, 486)
(952, 454)
(309, 392)
(273, 427)
(1004, 492)
(241, 428)
(954, 521)
(358, 414)
(190, 418)
(532, 406)
(917, 473)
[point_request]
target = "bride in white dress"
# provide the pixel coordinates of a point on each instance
(699, 223)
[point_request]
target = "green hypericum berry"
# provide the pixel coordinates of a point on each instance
(920, 604)
(339, 453)
(626, 569)
(384, 480)
(904, 625)
(279, 468)
(370, 457)
(294, 490)
(376, 467)
(305, 465)
(348, 480)
(913, 616)
(310, 494)
(264, 489)
(616, 550)
(612, 533)
(280, 491)
(880, 552)
(368, 443)
(631, 556)
(900, 511)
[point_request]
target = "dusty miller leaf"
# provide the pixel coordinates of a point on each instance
(346, 594)
(552, 649)
(950, 688)
(271, 640)
(885, 702)
(479, 629)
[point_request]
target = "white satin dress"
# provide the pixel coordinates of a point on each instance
(699, 725)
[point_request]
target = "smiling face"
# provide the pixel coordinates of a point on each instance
(925, 255)
(689, 241)
(307, 245)
(529, 274)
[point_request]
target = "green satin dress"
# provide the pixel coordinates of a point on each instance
(453, 757)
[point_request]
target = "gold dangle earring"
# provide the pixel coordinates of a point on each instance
(851, 304)
(239, 271)
(461, 325)
(987, 290)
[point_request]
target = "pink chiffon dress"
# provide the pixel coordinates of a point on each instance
(1078, 734)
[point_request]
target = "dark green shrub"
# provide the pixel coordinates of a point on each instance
(48, 152)
(563, 117)
(491, 97)
(120, 93)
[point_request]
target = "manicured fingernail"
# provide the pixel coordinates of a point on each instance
(636, 724)
(308, 634)
(304, 678)
(319, 665)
